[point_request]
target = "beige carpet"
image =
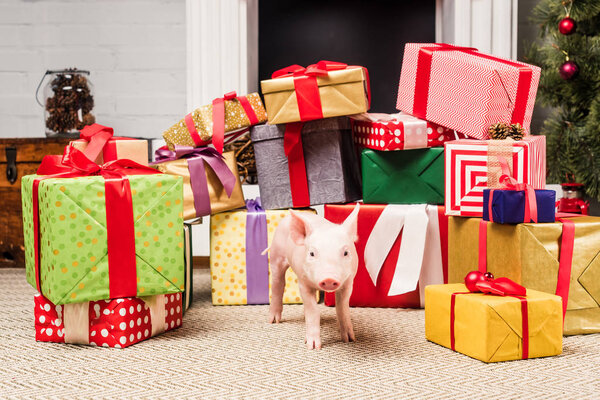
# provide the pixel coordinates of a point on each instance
(231, 352)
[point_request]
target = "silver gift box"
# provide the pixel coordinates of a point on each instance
(332, 165)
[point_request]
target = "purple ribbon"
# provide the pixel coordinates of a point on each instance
(196, 157)
(257, 265)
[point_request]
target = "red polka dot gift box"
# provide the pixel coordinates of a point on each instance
(398, 131)
(114, 323)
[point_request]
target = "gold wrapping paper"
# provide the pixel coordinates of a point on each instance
(218, 196)
(235, 119)
(136, 150)
(489, 328)
(342, 92)
(228, 258)
(528, 254)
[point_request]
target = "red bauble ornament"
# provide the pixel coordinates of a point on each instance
(568, 70)
(472, 278)
(567, 26)
(488, 276)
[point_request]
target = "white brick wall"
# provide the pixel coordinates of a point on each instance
(135, 51)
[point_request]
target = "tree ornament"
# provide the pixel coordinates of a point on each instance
(568, 70)
(567, 26)
(472, 278)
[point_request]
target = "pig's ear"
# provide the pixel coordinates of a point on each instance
(351, 223)
(299, 228)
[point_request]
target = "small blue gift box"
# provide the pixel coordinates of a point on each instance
(508, 206)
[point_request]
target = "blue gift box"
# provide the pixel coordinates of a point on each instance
(508, 206)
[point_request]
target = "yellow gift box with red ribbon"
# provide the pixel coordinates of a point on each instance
(323, 90)
(493, 328)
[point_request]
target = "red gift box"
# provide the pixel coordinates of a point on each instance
(399, 131)
(465, 90)
(115, 323)
(392, 271)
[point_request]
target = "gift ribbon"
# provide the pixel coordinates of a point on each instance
(120, 230)
(100, 140)
(420, 255)
(196, 157)
(292, 146)
(76, 319)
(423, 77)
(257, 264)
(218, 120)
(497, 287)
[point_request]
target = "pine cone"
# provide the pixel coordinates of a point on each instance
(499, 131)
(244, 151)
(71, 93)
(516, 131)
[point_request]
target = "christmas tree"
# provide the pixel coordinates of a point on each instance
(569, 54)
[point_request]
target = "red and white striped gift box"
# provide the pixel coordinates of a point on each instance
(398, 131)
(465, 90)
(467, 163)
(115, 323)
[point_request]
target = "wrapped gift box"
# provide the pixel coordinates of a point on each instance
(472, 166)
(240, 273)
(196, 129)
(331, 93)
(508, 206)
(204, 190)
(403, 177)
(399, 131)
(74, 238)
(332, 168)
(115, 323)
(529, 254)
(404, 247)
(465, 90)
(490, 328)
(99, 145)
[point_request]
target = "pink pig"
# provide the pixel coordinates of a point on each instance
(323, 256)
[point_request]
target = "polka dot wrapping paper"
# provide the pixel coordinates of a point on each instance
(228, 258)
(114, 323)
(74, 264)
(388, 132)
(235, 120)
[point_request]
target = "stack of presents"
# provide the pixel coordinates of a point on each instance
(454, 216)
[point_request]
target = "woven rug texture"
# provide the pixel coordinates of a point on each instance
(231, 352)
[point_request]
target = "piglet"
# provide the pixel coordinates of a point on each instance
(323, 256)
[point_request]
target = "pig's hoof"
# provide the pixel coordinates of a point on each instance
(313, 342)
(348, 335)
(274, 317)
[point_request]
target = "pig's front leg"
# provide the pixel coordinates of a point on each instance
(342, 308)
(279, 266)
(312, 317)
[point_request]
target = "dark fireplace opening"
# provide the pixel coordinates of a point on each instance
(368, 33)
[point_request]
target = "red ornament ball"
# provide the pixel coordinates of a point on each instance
(568, 70)
(472, 278)
(567, 26)
(488, 276)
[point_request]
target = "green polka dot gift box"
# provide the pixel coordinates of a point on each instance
(78, 256)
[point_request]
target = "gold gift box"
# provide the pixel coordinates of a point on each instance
(342, 92)
(489, 328)
(218, 196)
(528, 254)
(228, 258)
(134, 149)
(235, 119)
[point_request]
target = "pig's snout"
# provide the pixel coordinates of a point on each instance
(329, 284)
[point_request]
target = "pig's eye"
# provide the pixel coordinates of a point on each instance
(312, 254)
(346, 253)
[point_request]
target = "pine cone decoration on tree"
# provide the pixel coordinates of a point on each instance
(69, 108)
(499, 131)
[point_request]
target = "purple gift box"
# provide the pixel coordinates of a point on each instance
(508, 206)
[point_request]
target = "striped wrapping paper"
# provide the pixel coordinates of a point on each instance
(467, 91)
(471, 166)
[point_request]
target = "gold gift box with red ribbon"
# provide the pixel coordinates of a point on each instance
(534, 255)
(323, 90)
(228, 114)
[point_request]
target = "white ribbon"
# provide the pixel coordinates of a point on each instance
(419, 259)
(76, 319)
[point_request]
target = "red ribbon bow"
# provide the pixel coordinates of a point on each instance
(218, 118)
(100, 140)
(495, 287)
(119, 212)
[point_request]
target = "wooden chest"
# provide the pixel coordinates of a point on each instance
(18, 157)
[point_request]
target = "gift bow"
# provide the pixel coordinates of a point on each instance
(196, 157)
(321, 68)
(420, 255)
(510, 183)
(120, 230)
(100, 140)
